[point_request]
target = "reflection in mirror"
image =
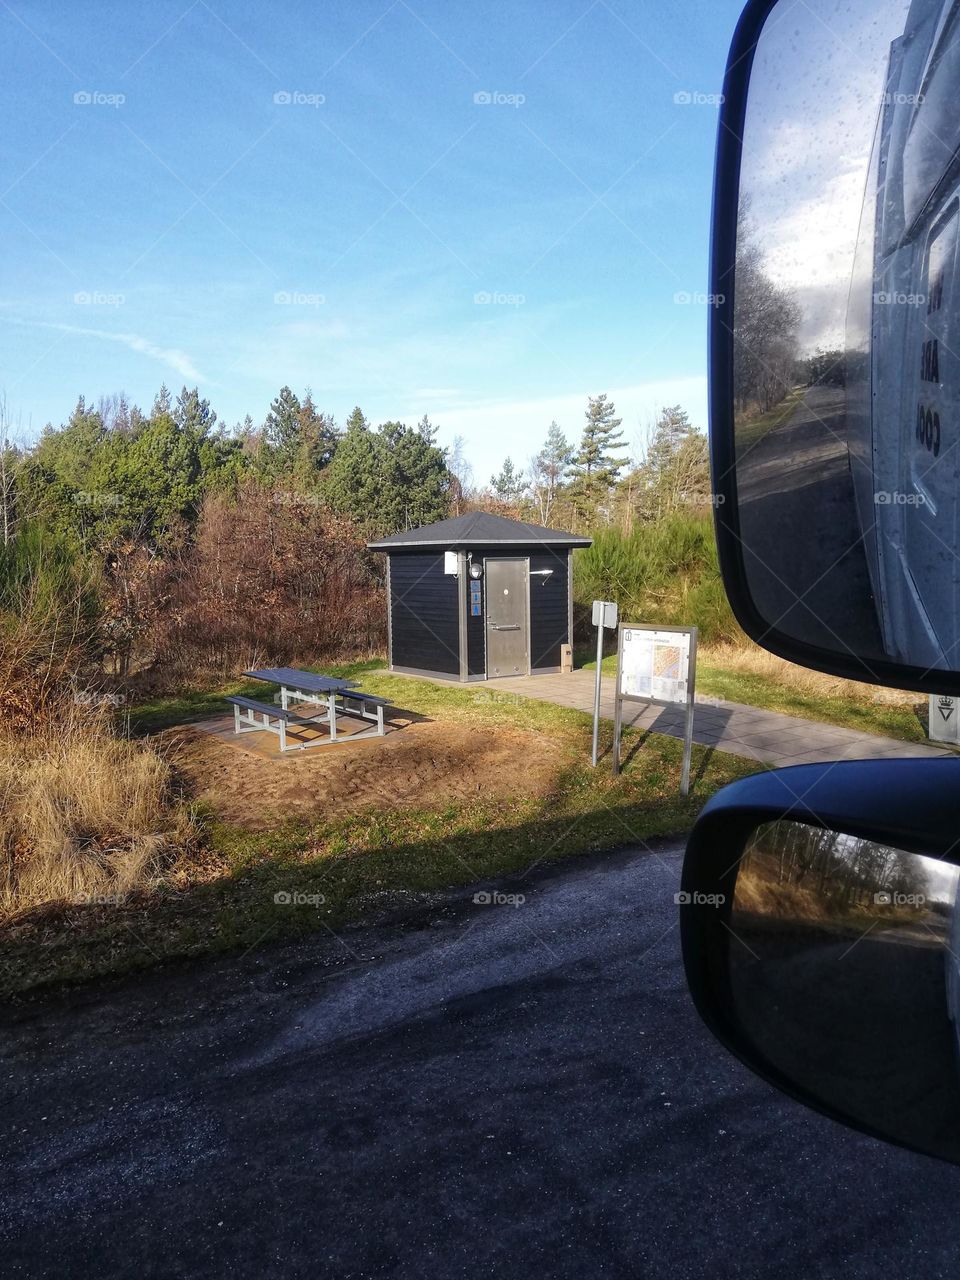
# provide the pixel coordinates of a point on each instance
(847, 329)
(844, 975)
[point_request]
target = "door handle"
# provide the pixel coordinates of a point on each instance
(505, 626)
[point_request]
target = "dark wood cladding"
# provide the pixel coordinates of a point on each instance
(424, 613)
(425, 610)
(549, 618)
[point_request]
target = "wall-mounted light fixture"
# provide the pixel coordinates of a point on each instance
(476, 570)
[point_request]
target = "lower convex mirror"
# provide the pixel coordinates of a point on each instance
(844, 974)
(824, 952)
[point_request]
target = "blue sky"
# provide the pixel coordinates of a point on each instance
(312, 194)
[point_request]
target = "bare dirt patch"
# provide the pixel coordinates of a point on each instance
(421, 765)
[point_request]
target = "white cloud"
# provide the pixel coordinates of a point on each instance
(172, 357)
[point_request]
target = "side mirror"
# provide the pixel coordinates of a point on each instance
(835, 338)
(821, 940)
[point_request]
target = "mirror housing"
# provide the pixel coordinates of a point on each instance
(902, 471)
(907, 805)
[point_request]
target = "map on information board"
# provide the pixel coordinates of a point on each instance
(654, 664)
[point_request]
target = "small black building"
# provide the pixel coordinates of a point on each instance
(479, 596)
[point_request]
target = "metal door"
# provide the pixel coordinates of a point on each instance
(507, 621)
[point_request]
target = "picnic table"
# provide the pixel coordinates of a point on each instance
(331, 695)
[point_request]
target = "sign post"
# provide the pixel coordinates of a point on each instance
(604, 615)
(656, 664)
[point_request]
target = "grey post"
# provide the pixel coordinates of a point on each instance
(617, 707)
(688, 727)
(604, 615)
(596, 695)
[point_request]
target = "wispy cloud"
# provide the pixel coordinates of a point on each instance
(172, 357)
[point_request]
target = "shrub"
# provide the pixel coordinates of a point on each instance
(664, 571)
(271, 577)
(83, 815)
(49, 624)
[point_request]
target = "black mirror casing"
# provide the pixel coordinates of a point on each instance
(909, 804)
(842, 662)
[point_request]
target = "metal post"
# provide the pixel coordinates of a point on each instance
(687, 751)
(596, 696)
(617, 728)
(691, 705)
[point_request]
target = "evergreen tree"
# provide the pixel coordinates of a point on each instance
(598, 462)
(510, 484)
(675, 471)
(318, 439)
(193, 413)
(388, 479)
(162, 402)
(282, 426)
(427, 430)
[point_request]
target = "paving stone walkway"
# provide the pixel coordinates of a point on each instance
(749, 732)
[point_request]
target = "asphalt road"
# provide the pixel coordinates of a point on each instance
(492, 1090)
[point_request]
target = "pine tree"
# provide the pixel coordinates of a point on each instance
(510, 484)
(318, 439)
(282, 426)
(427, 430)
(162, 402)
(192, 413)
(675, 471)
(597, 463)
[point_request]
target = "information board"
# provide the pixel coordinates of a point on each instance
(656, 664)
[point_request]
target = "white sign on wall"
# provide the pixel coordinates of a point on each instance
(654, 664)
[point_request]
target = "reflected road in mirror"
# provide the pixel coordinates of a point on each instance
(844, 976)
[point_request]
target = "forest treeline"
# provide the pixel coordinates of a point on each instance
(163, 546)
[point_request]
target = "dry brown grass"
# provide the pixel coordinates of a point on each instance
(84, 816)
(750, 659)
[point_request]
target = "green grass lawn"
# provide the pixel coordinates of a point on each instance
(902, 722)
(361, 862)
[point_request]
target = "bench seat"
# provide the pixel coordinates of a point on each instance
(357, 695)
(268, 709)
